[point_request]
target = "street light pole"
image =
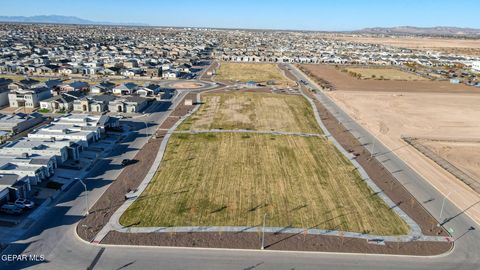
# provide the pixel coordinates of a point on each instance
(263, 231)
(146, 128)
(441, 211)
(373, 149)
(86, 195)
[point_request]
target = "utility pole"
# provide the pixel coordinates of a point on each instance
(373, 149)
(263, 231)
(86, 195)
(146, 128)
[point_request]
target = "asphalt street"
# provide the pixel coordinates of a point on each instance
(54, 235)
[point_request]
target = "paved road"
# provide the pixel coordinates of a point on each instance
(54, 236)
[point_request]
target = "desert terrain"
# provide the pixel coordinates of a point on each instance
(463, 155)
(343, 81)
(384, 74)
(423, 109)
(446, 45)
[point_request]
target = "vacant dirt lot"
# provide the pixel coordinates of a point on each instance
(245, 72)
(343, 81)
(448, 45)
(463, 155)
(230, 179)
(426, 115)
(187, 85)
(254, 111)
(385, 74)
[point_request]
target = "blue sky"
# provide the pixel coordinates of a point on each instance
(269, 14)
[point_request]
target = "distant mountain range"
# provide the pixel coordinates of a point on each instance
(431, 31)
(399, 30)
(58, 19)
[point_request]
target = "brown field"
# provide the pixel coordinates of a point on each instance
(462, 154)
(448, 45)
(345, 82)
(385, 74)
(230, 179)
(187, 85)
(425, 115)
(254, 111)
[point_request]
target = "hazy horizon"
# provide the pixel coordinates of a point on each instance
(343, 15)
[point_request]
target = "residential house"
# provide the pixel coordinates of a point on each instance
(102, 88)
(63, 102)
(4, 91)
(37, 147)
(29, 98)
(16, 123)
(130, 104)
(36, 168)
(167, 93)
(78, 128)
(125, 89)
(149, 90)
(170, 74)
(25, 84)
(76, 86)
(13, 187)
(97, 103)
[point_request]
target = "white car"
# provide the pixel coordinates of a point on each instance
(24, 203)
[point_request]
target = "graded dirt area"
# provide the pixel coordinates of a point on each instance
(464, 155)
(389, 116)
(384, 74)
(233, 179)
(343, 81)
(187, 85)
(253, 111)
(244, 72)
(448, 45)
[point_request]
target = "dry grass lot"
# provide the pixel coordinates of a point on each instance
(233, 179)
(245, 72)
(229, 179)
(385, 73)
(255, 111)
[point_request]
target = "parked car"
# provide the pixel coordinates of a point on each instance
(126, 162)
(11, 209)
(24, 203)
